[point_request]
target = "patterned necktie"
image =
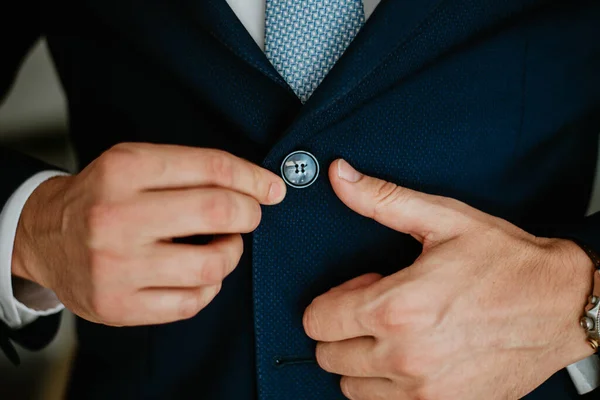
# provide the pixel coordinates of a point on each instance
(305, 38)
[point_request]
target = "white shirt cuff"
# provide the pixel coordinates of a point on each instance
(27, 301)
(585, 374)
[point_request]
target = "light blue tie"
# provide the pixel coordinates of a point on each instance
(305, 38)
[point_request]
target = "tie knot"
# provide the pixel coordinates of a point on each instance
(305, 38)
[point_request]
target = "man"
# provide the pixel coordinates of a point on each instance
(312, 199)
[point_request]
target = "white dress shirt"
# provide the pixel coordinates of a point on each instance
(23, 303)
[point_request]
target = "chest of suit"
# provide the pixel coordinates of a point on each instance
(491, 102)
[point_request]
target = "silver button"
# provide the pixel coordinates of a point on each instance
(300, 169)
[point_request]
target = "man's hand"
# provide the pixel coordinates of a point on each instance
(488, 311)
(102, 240)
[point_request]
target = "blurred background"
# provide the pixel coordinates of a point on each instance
(34, 120)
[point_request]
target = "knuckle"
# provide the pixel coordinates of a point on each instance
(221, 168)
(401, 364)
(100, 220)
(403, 311)
(189, 306)
(208, 294)
(386, 194)
(213, 270)
(427, 392)
(238, 248)
(389, 315)
(105, 307)
(255, 217)
(114, 161)
(216, 291)
(124, 148)
(135, 159)
(260, 185)
(459, 212)
(219, 209)
(105, 300)
(449, 202)
(410, 363)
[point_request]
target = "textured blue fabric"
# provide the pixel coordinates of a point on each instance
(494, 102)
(305, 38)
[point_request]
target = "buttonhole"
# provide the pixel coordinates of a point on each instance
(282, 361)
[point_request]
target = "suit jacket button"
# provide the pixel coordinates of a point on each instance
(300, 169)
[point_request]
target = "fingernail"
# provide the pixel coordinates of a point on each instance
(276, 193)
(347, 173)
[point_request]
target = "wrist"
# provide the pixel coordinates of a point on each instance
(38, 228)
(577, 271)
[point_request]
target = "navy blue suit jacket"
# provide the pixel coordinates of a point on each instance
(493, 102)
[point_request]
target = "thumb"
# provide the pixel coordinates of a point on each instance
(358, 282)
(424, 216)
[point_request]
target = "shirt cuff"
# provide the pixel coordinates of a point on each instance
(585, 374)
(23, 304)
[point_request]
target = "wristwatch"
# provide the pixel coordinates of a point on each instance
(590, 321)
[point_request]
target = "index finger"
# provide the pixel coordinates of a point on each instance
(172, 166)
(334, 316)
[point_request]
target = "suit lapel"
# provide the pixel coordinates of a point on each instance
(216, 17)
(390, 26)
